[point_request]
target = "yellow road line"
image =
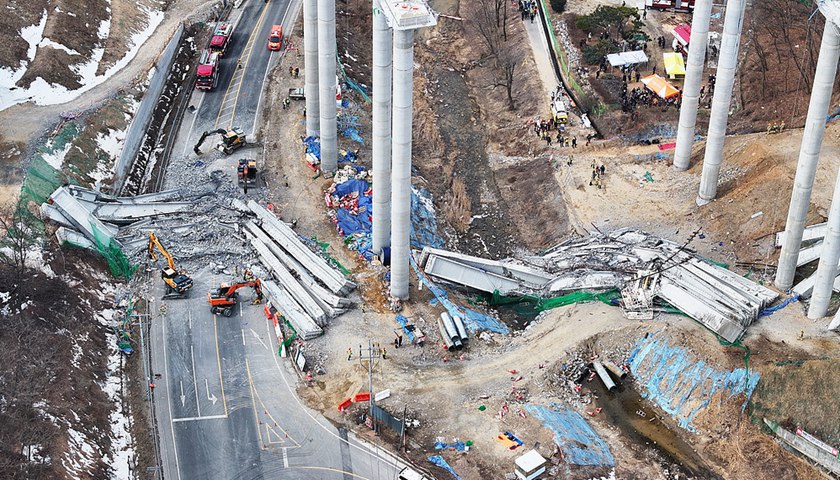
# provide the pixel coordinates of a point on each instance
(219, 361)
(254, 403)
(250, 49)
(246, 52)
(265, 409)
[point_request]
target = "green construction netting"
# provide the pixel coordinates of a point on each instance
(118, 263)
(330, 258)
(287, 342)
(747, 353)
(542, 304)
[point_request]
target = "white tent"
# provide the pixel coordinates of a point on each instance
(627, 58)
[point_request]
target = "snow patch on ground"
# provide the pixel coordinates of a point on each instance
(46, 42)
(112, 144)
(56, 157)
(42, 93)
(81, 454)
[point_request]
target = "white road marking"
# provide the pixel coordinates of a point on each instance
(257, 336)
(243, 336)
(189, 319)
(193, 419)
(183, 397)
(285, 458)
(210, 396)
(195, 382)
(168, 398)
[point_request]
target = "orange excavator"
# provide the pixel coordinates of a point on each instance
(223, 299)
(177, 282)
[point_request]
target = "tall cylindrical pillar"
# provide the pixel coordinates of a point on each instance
(827, 268)
(693, 79)
(310, 67)
(401, 162)
(809, 155)
(381, 147)
(327, 85)
(725, 79)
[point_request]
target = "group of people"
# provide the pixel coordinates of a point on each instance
(598, 172)
(544, 129)
(528, 8)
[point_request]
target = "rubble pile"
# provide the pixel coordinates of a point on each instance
(642, 266)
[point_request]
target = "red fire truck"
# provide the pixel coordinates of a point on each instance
(207, 73)
(221, 38)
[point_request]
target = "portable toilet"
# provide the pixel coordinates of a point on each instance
(530, 465)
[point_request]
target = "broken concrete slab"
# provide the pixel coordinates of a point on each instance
(289, 283)
(811, 232)
(289, 240)
(319, 293)
(291, 311)
(72, 237)
(124, 214)
(85, 222)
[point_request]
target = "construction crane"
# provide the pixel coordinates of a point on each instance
(231, 140)
(223, 299)
(177, 282)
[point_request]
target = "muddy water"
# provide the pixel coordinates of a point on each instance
(641, 424)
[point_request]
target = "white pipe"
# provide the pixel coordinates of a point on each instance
(809, 155)
(725, 79)
(326, 83)
(401, 161)
(604, 376)
(381, 148)
(693, 79)
(310, 66)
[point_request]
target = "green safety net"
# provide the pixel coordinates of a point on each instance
(542, 304)
(118, 263)
(122, 329)
(747, 353)
(287, 342)
(330, 258)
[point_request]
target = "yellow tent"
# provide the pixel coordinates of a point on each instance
(660, 86)
(674, 64)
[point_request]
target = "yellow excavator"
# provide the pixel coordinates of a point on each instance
(177, 282)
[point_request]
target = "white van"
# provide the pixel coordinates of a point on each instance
(409, 473)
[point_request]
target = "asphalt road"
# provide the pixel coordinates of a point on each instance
(225, 401)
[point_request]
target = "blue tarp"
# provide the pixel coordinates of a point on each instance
(474, 320)
(771, 310)
(313, 146)
(580, 444)
(680, 384)
(353, 134)
(403, 322)
(350, 223)
(440, 462)
(423, 221)
(460, 446)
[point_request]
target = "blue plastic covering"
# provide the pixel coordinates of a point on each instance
(682, 385)
(349, 223)
(423, 221)
(313, 146)
(347, 156)
(403, 322)
(440, 462)
(775, 308)
(580, 444)
(353, 134)
(460, 446)
(474, 320)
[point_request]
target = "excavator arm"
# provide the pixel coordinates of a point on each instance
(224, 299)
(154, 242)
(197, 147)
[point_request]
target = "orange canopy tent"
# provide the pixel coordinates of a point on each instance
(660, 86)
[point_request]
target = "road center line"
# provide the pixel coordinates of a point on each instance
(195, 382)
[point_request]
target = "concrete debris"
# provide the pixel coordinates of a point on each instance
(642, 265)
(808, 445)
(72, 237)
(78, 216)
(812, 232)
(289, 240)
(283, 301)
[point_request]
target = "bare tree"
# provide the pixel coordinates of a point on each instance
(491, 24)
(17, 234)
(506, 62)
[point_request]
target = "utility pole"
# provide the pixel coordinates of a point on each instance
(370, 357)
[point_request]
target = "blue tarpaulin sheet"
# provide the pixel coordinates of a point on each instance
(775, 308)
(423, 221)
(682, 385)
(440, 462)
(474, 320)
(403, 322)
(580, 444)
(353, 134)
(313, 146)
(350, 223)
(460, 446)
